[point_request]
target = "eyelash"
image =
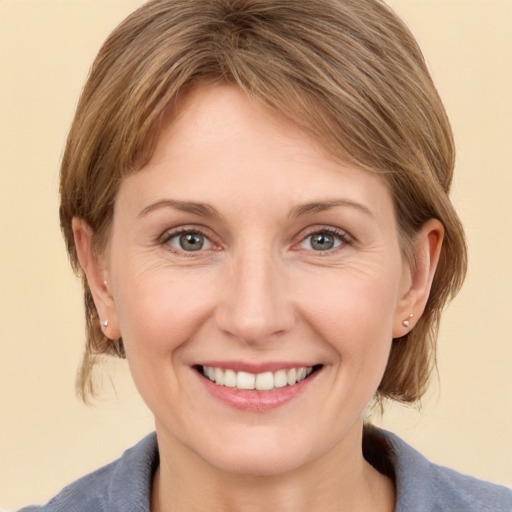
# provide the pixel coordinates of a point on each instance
(339, 234)
(343, 237)
(166, 238)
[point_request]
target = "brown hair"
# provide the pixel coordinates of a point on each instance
(347, 71)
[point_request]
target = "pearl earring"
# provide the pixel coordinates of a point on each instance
(104, 324)
(407, 323)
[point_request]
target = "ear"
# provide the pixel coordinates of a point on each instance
(417, 278)
(96, 272)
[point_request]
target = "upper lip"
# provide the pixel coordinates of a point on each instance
(251, 367)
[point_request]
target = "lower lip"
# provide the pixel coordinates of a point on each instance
(256, 401)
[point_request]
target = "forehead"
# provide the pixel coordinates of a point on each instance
(213, 114)
(222, 145)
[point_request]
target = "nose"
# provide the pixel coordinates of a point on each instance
(256, 307)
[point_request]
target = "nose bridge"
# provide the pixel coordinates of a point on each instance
(256, 306)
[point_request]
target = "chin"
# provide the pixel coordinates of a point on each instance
(263, 453)
(259, 463)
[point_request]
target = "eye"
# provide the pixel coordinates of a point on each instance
(189, 241)
(324, 240)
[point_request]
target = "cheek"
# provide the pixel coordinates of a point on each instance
(353, 301)
(158, 314)
(355, 317)
(158, 311)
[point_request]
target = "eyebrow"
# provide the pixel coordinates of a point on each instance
(201, 209)
(205, 210)
(320, 206)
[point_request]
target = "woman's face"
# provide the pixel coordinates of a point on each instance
(244, 252)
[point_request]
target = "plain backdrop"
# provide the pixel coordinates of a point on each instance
(48, 438)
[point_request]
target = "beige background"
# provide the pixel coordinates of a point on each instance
(47, 438)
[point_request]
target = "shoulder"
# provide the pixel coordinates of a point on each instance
(469, 492)
(123, 485)
(426, 487)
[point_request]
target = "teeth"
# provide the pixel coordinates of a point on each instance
(291, 377)
(265, 381)
(230, 379)
(280, 379)
(210, 372)
(261, 381)
(219, 376)
(245, 380)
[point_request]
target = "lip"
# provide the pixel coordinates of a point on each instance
(255, 401)
(240, 366)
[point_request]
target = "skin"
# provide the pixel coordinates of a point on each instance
(258, 291)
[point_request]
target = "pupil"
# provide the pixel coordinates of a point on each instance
(191, 241)
(322, 242)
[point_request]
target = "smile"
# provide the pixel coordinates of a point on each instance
(265, 381)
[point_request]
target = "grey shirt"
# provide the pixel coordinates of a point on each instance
(125, 485)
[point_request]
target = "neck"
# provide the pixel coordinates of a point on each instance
(339, 481)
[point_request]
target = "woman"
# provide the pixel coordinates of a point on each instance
(255, 195)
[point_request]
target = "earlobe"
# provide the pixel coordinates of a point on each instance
(420, 275)
(96, 273)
